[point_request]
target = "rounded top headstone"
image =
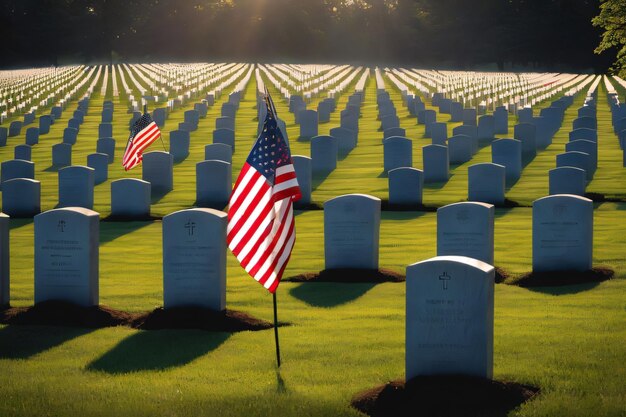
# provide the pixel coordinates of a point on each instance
(564, 196)
(355, 196)
(470, 262)
(198, 211)
(78, 210)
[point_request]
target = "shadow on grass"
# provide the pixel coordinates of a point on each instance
(343, 154)
(329, 294)
(304, 208)
(157, 195)
(510, 183)
(16, 223)
(157, 350)
(437, 185)
(22, 342)
(281, 387)
(318, 179)
(602, 198)
(110, 230)
(563, 282)
(527, 159)
(565, 289)
(54, 168)
(502, 211)
(216, 205)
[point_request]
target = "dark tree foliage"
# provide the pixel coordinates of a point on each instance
(540, 34)
(612, 19)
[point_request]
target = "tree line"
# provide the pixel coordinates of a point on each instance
(460, 34)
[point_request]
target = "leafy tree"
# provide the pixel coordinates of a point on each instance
(612, 19)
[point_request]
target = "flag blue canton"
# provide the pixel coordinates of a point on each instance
(140, 125)
(270, 150)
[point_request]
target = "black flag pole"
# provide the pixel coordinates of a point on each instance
(272, 111)
(276, 330)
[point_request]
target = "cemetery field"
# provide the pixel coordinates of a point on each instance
(338, 339)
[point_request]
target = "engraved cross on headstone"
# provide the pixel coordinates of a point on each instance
(190, 226)
(61, 226)
(445, 278)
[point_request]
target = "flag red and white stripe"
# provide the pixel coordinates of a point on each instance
(261, 225)
(144, 133)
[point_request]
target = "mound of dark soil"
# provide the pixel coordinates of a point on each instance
(501, 275)
(199, 318)
(559, 278)
(509, 203)
(602, 198)
(438, 396)
(58, 313)
(349, 275)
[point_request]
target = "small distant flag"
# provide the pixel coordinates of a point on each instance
(144, 132)
(261, 226)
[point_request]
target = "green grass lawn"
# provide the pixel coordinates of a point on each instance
(343, 338)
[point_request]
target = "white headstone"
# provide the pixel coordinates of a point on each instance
(308, 124)
(194, 259)
(526, 133)
(32, 136)
(158, 170)
(562, 233)
(466, 229)
(449, 317)
(106, 146)
(436, 163)
(179, 144)
(398, 152)
(76, 185)
(460, 149)
(508, 153)
(213, 183)
(67, 255)
(16, 168)
(351, 231)
(567, 180)
(576, 159)
(585, 146)
(302, 166)
(486, 128)
(224, 136)
(439, 133)
(219, 152)
(21, 197)
(486, 183)
(100, 164)
(130, 198)
(324, 150)
(406, 186)
(23, 152)
(62, 154)
(346, 138)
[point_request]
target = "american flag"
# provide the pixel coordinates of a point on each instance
(261, 226)
(144, 132)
